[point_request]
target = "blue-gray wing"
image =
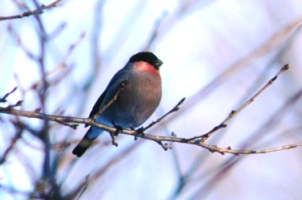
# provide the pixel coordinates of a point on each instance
(113, 86)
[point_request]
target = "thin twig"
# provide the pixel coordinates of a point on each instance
(38, 11)
(176, 108)
(155, 31)
(12, 145)
(93, 118)
(19, 42)
(18, 103)
(214, 148)
(63, 62)
(121, 88)
(85, 186)
(3, 99)
(235, 112)
(162, 145)
(67, 55)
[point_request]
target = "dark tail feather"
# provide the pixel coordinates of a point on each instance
(84, 144)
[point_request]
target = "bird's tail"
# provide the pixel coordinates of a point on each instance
(84, 144)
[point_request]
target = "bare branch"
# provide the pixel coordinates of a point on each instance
(26, 50)
(11, 146)
(38, 11)
(19, 103)
(199, 140)
(85, 186)
(121, 88)
(176, 108)
(62, 65)
(155, 31)
(229, 150)
(235, 112)
(3, 99)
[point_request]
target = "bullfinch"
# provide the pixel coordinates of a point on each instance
(134, 104)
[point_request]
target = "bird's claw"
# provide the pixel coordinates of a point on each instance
(118, 130)
(139, 132)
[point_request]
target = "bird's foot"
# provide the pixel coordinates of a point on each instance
(139, 132)
(118, 130)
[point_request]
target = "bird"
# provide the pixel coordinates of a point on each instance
(135, 103)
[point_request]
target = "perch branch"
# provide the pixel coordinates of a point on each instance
(198, 141)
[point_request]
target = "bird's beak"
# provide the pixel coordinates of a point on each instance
(158, 63)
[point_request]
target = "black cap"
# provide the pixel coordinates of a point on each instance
(147, 57)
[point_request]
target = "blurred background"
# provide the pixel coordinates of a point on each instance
(216, 53)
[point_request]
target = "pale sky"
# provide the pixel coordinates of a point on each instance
(196, 46)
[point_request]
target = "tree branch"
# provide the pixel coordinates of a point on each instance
(38, 11)
(3, 99)
(198, 141)
(235, 112)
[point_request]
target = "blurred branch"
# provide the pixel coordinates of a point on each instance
(95, 44)
(155, 31)
(63, 63)
(26, 50)
(12, 144)
(45, 186)
(3, 99)
(13, 190)
(78, 191)
(38, 11)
